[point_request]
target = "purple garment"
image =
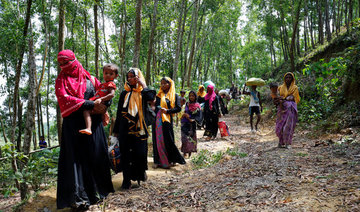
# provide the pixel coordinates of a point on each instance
(188, 133)
(160, 143)
(287, 116)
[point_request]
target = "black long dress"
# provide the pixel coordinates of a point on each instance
(133, 146)
(84, 169)
(211, 117)
(173, 153)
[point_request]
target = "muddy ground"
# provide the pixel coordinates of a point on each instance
(319, 173)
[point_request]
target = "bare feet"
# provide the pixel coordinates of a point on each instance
(85, 131)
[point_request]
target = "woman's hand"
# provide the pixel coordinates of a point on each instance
(140, 82)
(99, 109)
(163, 110)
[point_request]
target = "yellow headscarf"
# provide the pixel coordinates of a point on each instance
(203, 93)
(170, 96)
(293, 89)
(134, 98)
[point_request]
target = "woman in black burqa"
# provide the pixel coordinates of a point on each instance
(84, 169)
(131, 128)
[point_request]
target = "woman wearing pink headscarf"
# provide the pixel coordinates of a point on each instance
(83, 170)
(211, 113)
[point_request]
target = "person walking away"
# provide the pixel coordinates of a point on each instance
(223, 106)
(42, 142)
(211, 113)
(287, 115)
(83, 169)
(255, 106)
(189, 119)
(233, 91)
(167, 104)
(130, 127)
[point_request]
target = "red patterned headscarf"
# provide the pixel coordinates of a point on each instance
(211, 95)
(70, 85)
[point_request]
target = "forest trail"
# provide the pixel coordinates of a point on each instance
(315, 175)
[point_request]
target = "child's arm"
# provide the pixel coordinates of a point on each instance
(109, 96)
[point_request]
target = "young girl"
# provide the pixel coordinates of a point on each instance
(191, 116)
(105, 93)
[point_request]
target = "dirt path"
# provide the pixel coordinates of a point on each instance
(315, 175)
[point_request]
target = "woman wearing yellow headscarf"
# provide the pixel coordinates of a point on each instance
(167, 104)
(201, 94)
(287, 114)
(130, 127)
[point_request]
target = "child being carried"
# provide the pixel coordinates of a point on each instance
(105, 93)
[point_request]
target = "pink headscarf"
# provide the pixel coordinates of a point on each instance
(70, 85)
(211, 95)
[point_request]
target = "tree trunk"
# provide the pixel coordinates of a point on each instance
(192, 50)
(86, 38)
(180, 33)
(30, 115)
(96, 38)
(20, 121)
(3, 130)
(47, 98)
(137, 34)
(327, 21)
(18, 70)
(72, 26)
(320, 22)
(151, 42)
(61, 41)
(350, 11)
(122, 58)
(292, 47)
(311, 31)
(334, 25)
(104, 36)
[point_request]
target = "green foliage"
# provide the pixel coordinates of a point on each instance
(38, 170)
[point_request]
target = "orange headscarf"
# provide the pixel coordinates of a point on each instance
(203, 93)
(292, 90)
(134, 99)
(170, 96)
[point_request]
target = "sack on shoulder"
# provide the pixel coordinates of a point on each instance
(114, 154)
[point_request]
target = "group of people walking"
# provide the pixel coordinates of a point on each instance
(84, 171)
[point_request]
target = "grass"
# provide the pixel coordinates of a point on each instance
(205, 158)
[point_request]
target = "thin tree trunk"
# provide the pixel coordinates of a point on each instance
(334, 25)
(96, 38)
(122, 57)
(104, 35)
(3, 129)
(151, 42)
(327, 21)
(47, 97)
(72, 26)
(18, 70)
(320, 22)
(295, 27)
(192, 50)
(180, 33)
(20, 121)
(350, 11)
(86, 38)
(311, 31)
(30, 115)
(137, 34)
(61, 41)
